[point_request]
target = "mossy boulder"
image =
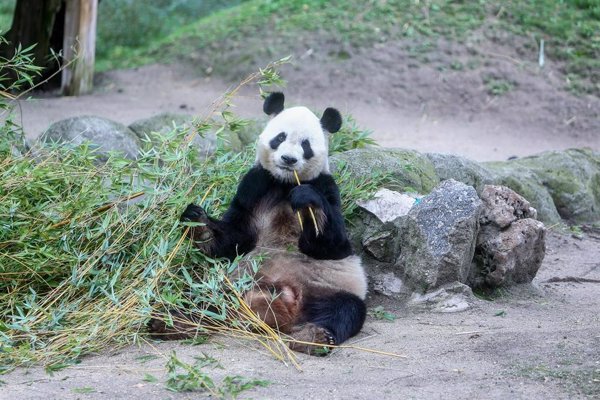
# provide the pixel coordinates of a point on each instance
(572, 178)
(408, 170)
(526, 183)
(469, 172)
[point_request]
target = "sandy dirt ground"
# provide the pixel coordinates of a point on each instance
(532, 342)
(540, 342)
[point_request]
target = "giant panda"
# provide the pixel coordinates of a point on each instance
(316, 292)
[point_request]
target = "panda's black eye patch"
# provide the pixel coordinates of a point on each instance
(277, 140)
(308, 151)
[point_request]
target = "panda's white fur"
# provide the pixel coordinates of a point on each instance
(298, 123)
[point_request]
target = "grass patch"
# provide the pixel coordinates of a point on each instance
(226, 36)
(381, 313)
(498, 87)
(124, 25)
(575, 381)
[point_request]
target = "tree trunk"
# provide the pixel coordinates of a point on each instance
(36, 22)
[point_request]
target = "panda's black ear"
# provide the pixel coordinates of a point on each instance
(273, 104)
(331, 120)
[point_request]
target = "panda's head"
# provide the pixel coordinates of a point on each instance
(295, 139)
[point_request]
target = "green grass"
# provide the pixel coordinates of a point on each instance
(260, 29)
(125, 24)
(571, 376)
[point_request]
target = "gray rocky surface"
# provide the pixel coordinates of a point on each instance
(438, 236)
(103, 134)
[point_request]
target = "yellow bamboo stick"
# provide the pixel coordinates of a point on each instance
(310, 210)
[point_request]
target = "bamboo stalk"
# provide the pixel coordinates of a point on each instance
(310, 210)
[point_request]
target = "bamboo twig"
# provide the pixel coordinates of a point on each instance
(310, 210)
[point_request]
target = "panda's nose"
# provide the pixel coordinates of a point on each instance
(289, 160)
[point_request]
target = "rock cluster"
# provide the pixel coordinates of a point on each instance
(107, 136)
(432, 250)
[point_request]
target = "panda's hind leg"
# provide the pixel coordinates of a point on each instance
(328, 320)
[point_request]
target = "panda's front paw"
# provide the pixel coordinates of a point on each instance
(193, 213)
(304, 196)
(202, 234)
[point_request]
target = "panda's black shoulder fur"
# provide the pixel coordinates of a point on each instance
(235, 233)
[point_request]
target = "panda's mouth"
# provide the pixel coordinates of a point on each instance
(285, 168)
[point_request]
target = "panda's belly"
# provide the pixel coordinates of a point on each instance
(346, 274)
(278, 234)
(276, 224)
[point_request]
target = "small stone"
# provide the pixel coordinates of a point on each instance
(453, 297)
(389, 284)
(387, 205)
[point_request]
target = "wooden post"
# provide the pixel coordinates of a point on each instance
(79, 47)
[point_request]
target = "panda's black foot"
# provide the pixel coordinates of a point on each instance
(193, 213)
(183, 327)
(311, 339)
(201, 234)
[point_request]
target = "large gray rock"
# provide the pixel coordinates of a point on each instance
(438, 236)
(159, 125)
(103, 134)
(469, 172)
(526, 183)
(408, 169)
(510, 255)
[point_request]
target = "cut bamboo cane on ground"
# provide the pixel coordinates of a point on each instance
(310, 210)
